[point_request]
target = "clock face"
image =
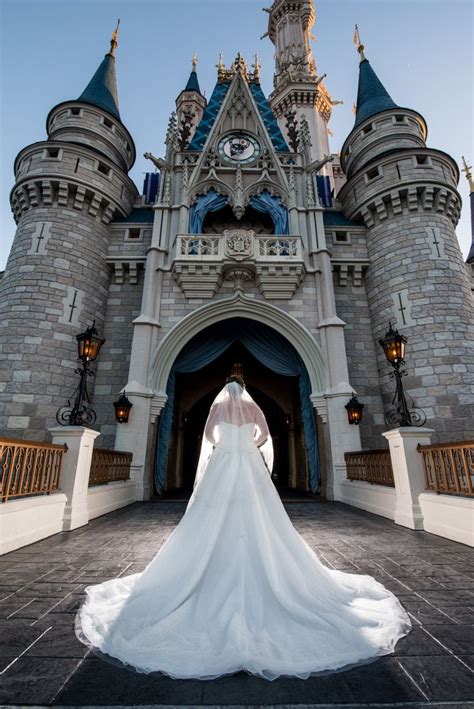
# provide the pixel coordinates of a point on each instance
(239, 147)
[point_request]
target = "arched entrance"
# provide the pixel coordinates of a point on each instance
(277, 395)
(275, 376)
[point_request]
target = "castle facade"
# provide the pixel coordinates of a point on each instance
(253, 249)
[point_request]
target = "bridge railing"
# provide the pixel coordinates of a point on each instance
(373, 466)
(109, 466)
(449, 468)
(29, 468)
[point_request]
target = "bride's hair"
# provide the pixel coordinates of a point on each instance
(235, 378)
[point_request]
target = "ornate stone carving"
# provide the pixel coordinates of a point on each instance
(238, 244)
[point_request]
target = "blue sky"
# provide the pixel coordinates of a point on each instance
(422, 51)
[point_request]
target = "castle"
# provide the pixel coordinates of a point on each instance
(253, 249)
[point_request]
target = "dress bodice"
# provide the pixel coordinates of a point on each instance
(233, 438)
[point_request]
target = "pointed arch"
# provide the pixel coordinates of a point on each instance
(239, 305)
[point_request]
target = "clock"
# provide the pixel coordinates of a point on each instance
(239, 147)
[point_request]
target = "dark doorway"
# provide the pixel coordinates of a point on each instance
(277, 395)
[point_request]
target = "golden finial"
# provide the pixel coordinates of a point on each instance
(194, 61)
(359, 46)
(113, 41)
(220, 68)
(467, 169)
(256, 67)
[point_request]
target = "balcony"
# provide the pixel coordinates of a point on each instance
(203, 261)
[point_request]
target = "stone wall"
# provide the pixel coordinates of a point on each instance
(47, 296)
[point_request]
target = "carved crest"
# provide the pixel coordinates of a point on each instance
(238, 243)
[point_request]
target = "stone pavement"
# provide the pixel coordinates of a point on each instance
(41, 586)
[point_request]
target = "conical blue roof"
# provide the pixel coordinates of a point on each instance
(372, 97)
(101, 90)
(193, 83)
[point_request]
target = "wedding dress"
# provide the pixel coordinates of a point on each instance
(235, 587)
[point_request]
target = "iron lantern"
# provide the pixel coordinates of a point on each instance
(354, 410)
(89, 344)
(393, 345)
(122, 408)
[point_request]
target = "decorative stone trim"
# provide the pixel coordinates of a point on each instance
(409, 198)
(63, 193)
(279, 281)
(198, 280)
(350, 268)
(121, 264)
(275, 260)
(239, 305)
(320, 404)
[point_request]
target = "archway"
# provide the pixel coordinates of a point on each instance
(278, 397)
(239, 305)
(277, 356)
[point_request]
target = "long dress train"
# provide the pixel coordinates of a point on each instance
(235, 587)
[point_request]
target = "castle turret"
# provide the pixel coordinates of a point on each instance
(406, 194)
(67, 190)
(467, 170)
(190, 106)
(299, 92)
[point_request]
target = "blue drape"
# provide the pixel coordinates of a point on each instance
(266, 345)
(265, 202)
(210, 202)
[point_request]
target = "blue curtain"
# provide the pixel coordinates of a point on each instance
(323, 183)
(210, 202)
(266, 345)
(264, 202)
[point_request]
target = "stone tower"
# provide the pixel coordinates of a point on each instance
(299, 95)
(67, 190)
(190, 106)
(405, 193)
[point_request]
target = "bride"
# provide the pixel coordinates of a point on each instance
(235, 587)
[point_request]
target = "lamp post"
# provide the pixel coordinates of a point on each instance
(81, 413)
(393, 345)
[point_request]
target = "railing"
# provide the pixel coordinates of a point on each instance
(29, 468)
(449, 468)
(240, 245)
(370, 466)
(109, 466)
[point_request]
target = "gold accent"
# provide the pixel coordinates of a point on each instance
(356, 39)
(359, 46)
(194, 61)
(256, 68)
(220, 68)
(467, 169)
(239, 66)
(114, 41)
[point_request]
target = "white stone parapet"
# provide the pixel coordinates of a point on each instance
(202, 261)
(75, 471)
(408, 473)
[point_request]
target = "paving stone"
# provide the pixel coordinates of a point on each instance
(457, 638)
(100, 683)
(440, 677)
(34, 680)
(414, 565)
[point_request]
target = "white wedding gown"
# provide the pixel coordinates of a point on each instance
(235, 587)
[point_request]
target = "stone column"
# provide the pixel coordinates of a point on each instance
(75, 471)
(408, 472)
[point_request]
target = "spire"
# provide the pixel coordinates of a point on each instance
(101, 90)
(467, 169)
(372, 97)
(193, 83)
